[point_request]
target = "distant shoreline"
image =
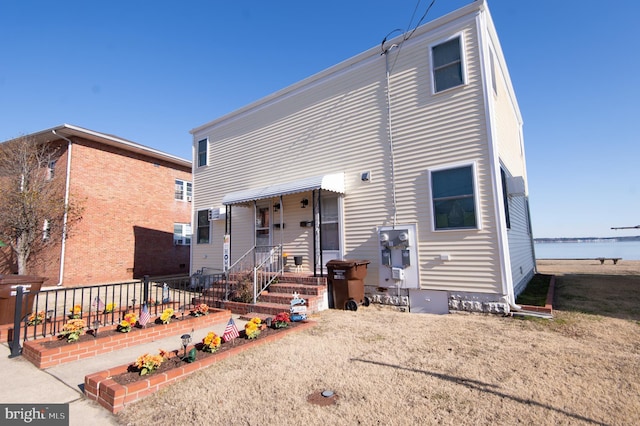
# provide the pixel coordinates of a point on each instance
(586, 240)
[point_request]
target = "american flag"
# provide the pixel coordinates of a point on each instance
(231, 331)
(98, 303)
(144, 316)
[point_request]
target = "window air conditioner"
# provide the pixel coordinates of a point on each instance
(515, 185)
(217, 214)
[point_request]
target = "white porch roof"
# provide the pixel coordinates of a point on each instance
(331, 182)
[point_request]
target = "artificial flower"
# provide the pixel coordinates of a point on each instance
(211, 342)
(148, 363)
(73, 329)
(35, 318)
(166, 315)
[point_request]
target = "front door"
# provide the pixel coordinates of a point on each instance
(330, 228)
(263, 232)
(263, 225)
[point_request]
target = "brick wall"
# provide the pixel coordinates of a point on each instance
(126, 229)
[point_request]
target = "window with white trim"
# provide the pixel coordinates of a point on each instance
(330, 215)
(182, 234)
(46, 230)
(453, 198)
(183, 190)
(203, 227)
(203, 146)
(447, 65)
(51, 169)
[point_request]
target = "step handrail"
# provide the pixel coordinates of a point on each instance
(267, 271)
(264, 271)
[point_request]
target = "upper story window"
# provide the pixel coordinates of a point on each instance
(51, 169)
(447, 65)
(183, 191)
(453, 198)
(202, 152)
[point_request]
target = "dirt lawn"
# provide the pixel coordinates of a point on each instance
(392, 368)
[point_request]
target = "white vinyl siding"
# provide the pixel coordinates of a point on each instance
(336, 121)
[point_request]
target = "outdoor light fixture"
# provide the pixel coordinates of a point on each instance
(186, 339)
(276, 206)
(304, 203)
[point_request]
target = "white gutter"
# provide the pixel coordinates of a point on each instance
(66, 205)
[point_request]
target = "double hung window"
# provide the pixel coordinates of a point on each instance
(447, 65)
(183, 190)
(453, 197)
(182, 234)
(203, 227)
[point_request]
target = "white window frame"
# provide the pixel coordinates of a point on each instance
(204, 212)
(476, 203)
(46, 230)
(183, 238)
(187, 190)
(463, 63)
(51, 169)
(206, 154)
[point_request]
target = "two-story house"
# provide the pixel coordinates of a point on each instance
(409, 155)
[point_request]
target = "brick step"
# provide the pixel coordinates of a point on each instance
(283, 298)
(291, 287)
(264, 308)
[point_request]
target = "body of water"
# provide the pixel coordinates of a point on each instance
(627, 250)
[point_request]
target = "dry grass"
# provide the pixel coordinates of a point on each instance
(395, 368)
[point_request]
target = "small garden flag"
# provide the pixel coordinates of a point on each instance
(144, 316)
(231, 331)
(98, 303)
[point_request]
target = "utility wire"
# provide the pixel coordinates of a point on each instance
(406, 37)
(420, 21)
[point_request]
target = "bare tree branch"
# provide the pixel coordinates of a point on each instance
(32, 198)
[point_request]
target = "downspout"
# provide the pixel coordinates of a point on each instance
(393, 179)
(66, 205)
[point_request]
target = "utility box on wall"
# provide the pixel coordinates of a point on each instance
(398, 256)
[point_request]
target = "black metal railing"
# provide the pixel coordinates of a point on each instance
(107, 304)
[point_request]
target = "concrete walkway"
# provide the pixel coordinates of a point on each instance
(24, 383)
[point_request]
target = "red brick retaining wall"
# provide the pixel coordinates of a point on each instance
(114, 397)
(43, 357)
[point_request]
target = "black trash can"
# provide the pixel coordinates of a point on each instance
(346, 283)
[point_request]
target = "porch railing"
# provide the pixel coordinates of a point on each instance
(261, 264)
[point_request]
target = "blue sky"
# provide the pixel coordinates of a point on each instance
(150, 71)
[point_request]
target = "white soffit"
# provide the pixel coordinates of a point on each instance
(332, 182)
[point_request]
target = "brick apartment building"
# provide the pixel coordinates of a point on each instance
(137, 211)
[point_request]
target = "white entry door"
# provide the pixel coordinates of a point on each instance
(330, 230)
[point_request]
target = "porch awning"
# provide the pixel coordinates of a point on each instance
(332, 182)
